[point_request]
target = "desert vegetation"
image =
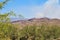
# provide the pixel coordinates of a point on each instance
(9, 31)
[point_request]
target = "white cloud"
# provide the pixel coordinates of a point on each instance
(39, 15)
(50, 8)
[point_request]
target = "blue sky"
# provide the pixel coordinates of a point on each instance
(34, 8)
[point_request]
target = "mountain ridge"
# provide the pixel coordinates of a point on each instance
(37, 21)
(31, 19)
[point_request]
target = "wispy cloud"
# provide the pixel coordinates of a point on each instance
(50, 8)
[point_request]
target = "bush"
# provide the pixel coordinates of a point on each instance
(7, 29)
(41, 32)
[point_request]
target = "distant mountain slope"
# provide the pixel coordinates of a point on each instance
(37, 21)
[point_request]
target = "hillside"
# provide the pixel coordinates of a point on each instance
(37, 21)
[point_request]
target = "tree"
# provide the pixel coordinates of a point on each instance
(3, 3)
(7, 29)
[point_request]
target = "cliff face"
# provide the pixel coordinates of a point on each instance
(37, 21)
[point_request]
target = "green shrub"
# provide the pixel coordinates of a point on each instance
(41, 32)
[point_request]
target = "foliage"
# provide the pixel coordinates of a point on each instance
(7, 29)
(3, 3)
(42, 32)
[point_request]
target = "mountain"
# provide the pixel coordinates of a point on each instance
(37, 21)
